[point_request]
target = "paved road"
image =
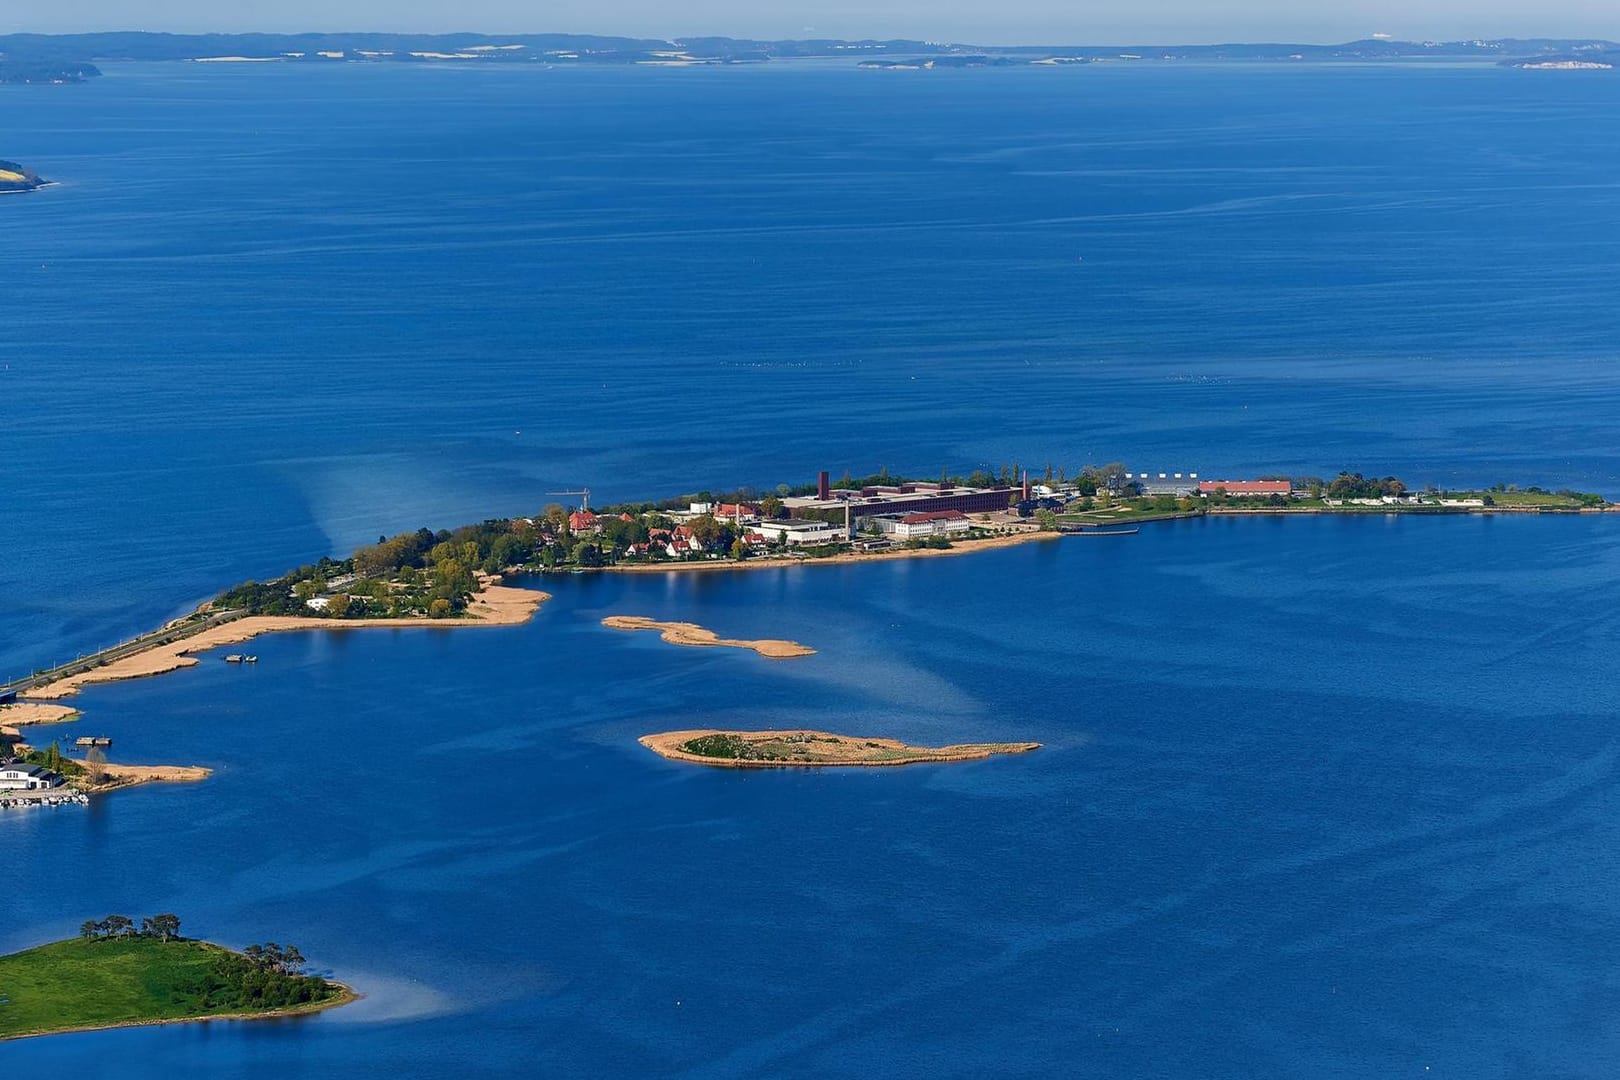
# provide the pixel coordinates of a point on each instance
(175, 631)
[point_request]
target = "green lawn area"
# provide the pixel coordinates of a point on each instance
(1517, 498)
(78, 983)
(1118, 514)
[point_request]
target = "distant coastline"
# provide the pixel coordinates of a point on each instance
(64, 58)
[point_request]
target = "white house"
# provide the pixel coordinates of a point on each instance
(19, 776)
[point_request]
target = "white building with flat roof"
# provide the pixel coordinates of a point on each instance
(922, 526)
(1164, 483)
(800, 533)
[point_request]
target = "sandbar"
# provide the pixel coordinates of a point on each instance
(496, 605)
(685, 633)
(35, 712)
(816, 749)
(120, 776)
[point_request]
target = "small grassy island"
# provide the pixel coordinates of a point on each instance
(117, 975)
(15, 177)
(780, 749)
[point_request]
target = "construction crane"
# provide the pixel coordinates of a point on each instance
(583, 493)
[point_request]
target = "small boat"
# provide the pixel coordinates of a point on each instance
(234, 658)
(250, 659)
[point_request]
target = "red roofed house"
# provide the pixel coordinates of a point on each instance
(1246, 487)
(682, 541)
(582, 521)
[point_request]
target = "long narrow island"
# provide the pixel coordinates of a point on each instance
(816, 749)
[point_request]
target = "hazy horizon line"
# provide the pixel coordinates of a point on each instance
(1139, 43)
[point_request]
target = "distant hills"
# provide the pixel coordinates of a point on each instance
(71, 57)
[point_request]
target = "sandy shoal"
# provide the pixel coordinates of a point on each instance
(685, 633)
(496, 605)
(668, 744)
(35, 712)
(960, 547)
(129, 775)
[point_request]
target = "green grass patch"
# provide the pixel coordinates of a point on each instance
(1519, 498)
(81, 983)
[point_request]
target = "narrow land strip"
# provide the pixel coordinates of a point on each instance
(496, 605)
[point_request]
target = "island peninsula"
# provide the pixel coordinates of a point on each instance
(454, 578)
(814, 749)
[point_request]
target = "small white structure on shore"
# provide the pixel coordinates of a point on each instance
(21, 776)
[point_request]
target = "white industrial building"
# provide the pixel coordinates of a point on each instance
(922, 526)
(800, 533)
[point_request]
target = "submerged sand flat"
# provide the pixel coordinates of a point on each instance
(685, 633)
(781, 749)
(496, 605)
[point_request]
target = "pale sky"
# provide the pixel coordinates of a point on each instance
(977, 21)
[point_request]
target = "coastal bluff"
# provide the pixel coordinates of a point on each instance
(814, 749)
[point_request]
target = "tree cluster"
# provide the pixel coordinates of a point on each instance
(164, 927)
(268, 976)
(1355, 486)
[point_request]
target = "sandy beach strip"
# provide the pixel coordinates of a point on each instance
(496, 605)
(835, 751)
(959, 547)
(35, 712)
(693, 635)
(121, 776)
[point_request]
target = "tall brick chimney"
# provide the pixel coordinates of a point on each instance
(823, 488)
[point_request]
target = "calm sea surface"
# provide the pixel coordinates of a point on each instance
(1330, 798)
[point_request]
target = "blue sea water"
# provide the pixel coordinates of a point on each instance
(1328, 798)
